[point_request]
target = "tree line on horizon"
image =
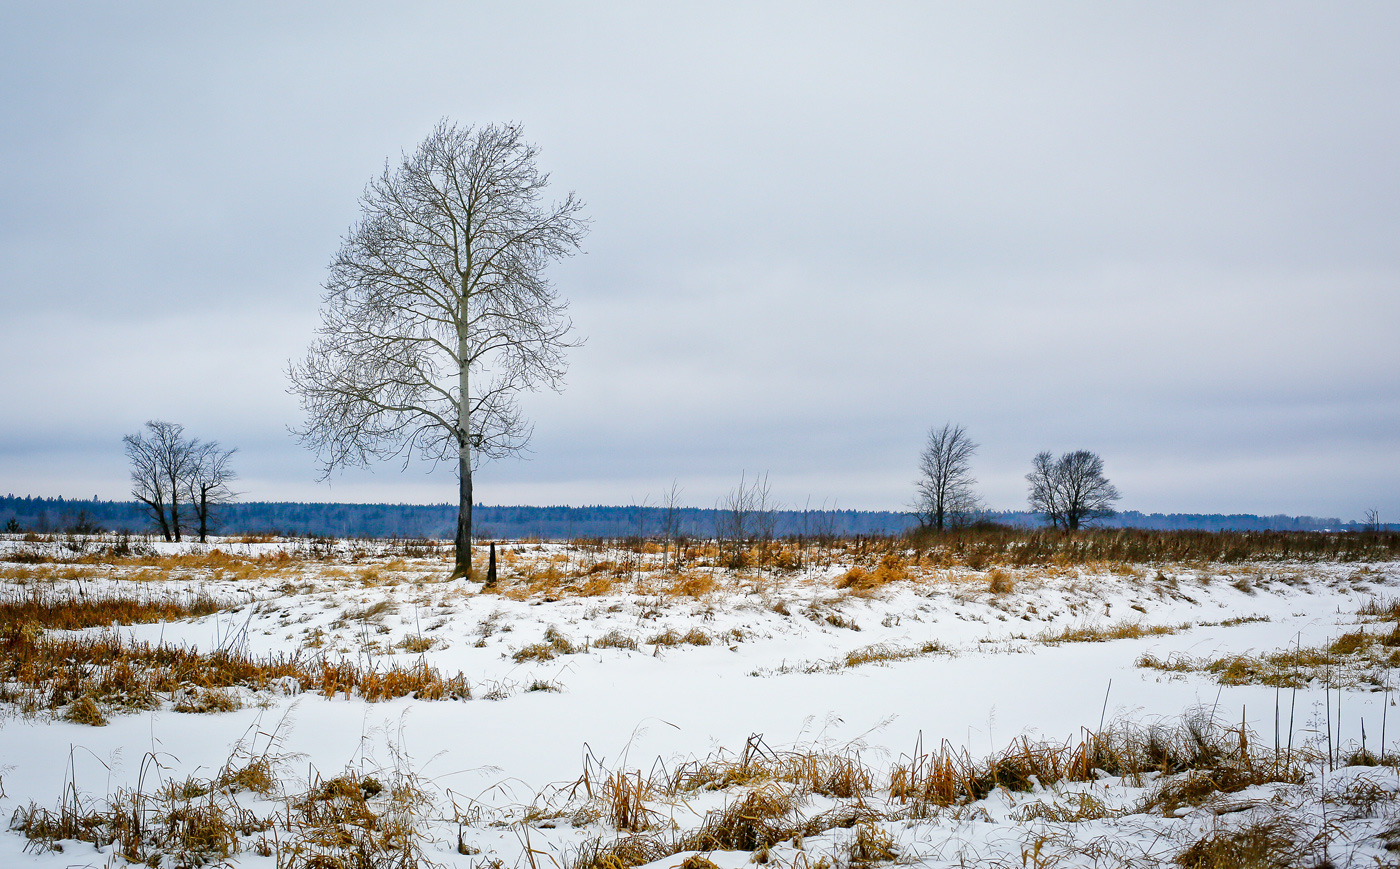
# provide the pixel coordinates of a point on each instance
(20, 514)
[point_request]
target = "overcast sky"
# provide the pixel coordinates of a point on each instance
(1166, 232)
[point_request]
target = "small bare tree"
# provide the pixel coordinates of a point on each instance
(210, 473)
(437, 315)
(1373, 520)
(944, 494)
(1070, 490)
(670, 521)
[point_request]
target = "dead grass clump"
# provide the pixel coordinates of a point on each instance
(416, 643)
(1267, 844)
(258, 775)
(870, 845)
(624, 797)
(860, 581)
(854, 577)
(596, 586)
(623, 853)
(1100, 634)
(616, 639)
(374, 612)
(205, 700)
(1000, 582)
(760, 819)
(1350, 643)
(353, 821)
(694, 584)
(1380, 609)
(838, 774)
(673, 637)
(1080, 807)
(883, 653)
(554, 644)
(85, 710)
(841, 776)
(534, 652)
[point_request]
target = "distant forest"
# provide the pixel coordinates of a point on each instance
(562, 523)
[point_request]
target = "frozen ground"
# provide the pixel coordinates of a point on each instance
(506, 774)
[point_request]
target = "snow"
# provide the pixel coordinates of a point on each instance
(992, 680)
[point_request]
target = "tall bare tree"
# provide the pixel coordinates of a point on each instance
(160, 464)
(436, 314)
(1070, 490)
(210, 473)
(944, 494)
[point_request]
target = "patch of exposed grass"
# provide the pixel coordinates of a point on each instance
(46, 610)
(615, 639)
(1125, 630)
(554, 644)
(1355, 659)
(883, 653)
(1273, 843)
(671, 637)
(40, 673)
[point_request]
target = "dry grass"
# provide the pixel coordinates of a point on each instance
(1227, 758)
(1000, 582)
(838, 774)
(1125, 630)
(86, 678)
(869, 846)
(884, 653)
(43, 609)
(1269, 844)
(554, 644)
(672, 637)
(359, 820)
(1356, 659)
(979, 548)
(616, 639)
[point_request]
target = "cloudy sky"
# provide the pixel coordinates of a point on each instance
(1166, 232)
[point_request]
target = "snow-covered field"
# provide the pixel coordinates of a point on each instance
(586, 664)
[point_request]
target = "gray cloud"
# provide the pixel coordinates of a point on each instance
(1165, 232)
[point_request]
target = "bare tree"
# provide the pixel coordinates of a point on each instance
(944, 494)
(436, 314)
(734, 519)
(160, 463)
(670, 521)
(208, 483)
(167, 467)
(746, 512)
(1070, 490)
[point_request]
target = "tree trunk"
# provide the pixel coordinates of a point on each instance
(203, 511)
(464, 516)
(175, 511)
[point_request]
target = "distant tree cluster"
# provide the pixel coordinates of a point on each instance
(1070, 490)
(169, 469)
(1067, 492)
